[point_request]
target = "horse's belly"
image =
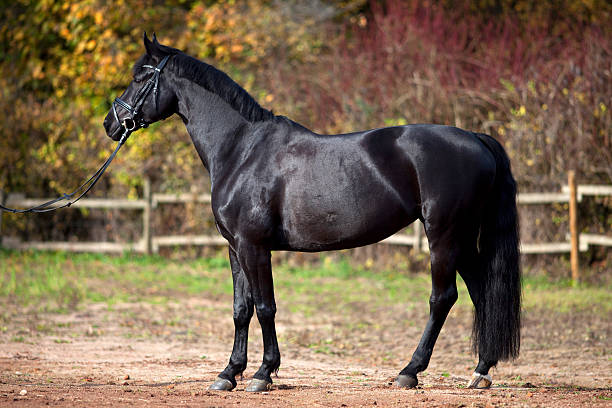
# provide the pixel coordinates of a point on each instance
(335, 220)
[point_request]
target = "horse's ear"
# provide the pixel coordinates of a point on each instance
(148, 44)
(157, 50)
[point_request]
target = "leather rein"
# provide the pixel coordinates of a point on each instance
(130, 124)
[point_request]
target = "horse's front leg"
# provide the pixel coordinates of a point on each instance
(255, 262)
(243, 311)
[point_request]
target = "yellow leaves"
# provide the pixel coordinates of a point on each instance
(37, 71)
(90, 45)
(247, 32)
(508, 85)
(222, 53)
(237, 48)
(79, 48)
(85, 46)
(600, 110)
(532, 88)
(521, 111)
(395, 121)
(65, 33)
(98, 17)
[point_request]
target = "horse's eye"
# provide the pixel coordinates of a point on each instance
(140, 76)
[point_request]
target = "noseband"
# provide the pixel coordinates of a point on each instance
(134, 121)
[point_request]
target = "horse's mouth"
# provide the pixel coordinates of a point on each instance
(114, 131)
(116, 134)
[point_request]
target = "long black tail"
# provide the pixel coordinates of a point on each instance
(497, 320)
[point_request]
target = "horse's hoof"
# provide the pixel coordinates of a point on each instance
(480, 381)
(221, 384)
(257, 385)
(405, 381)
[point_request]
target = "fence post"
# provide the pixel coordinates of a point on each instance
(146, 216)
(418, 233)
(1, 215)
(573, 221)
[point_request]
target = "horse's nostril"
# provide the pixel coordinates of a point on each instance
(106, 124)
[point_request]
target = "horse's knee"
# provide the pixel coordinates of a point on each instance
(242, 315)
(266, 312)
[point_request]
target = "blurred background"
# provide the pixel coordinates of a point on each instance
(535, 75)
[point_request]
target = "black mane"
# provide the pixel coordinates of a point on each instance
(216, 82)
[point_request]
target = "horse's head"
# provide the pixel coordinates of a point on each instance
(148, 98)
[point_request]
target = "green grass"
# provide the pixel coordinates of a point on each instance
(61, 281)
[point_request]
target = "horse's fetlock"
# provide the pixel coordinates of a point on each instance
(263, 375)
(238, 366)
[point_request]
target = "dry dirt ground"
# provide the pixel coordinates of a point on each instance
(143, 354)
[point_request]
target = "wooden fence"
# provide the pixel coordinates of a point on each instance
(150, 243)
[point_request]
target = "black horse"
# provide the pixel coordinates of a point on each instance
(278, 186)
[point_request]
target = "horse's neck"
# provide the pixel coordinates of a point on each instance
(215, 128)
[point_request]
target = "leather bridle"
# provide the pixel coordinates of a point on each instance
(129, 124)
(134, 121)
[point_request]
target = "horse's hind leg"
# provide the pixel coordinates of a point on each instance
(470, 271)
(443, 295)
(243, 311)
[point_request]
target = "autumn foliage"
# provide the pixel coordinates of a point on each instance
(537, 75)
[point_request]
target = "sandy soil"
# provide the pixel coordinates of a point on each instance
(167, 354)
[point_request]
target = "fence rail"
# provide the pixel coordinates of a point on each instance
(151, 243)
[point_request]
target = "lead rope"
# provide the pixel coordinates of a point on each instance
(88, 185)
